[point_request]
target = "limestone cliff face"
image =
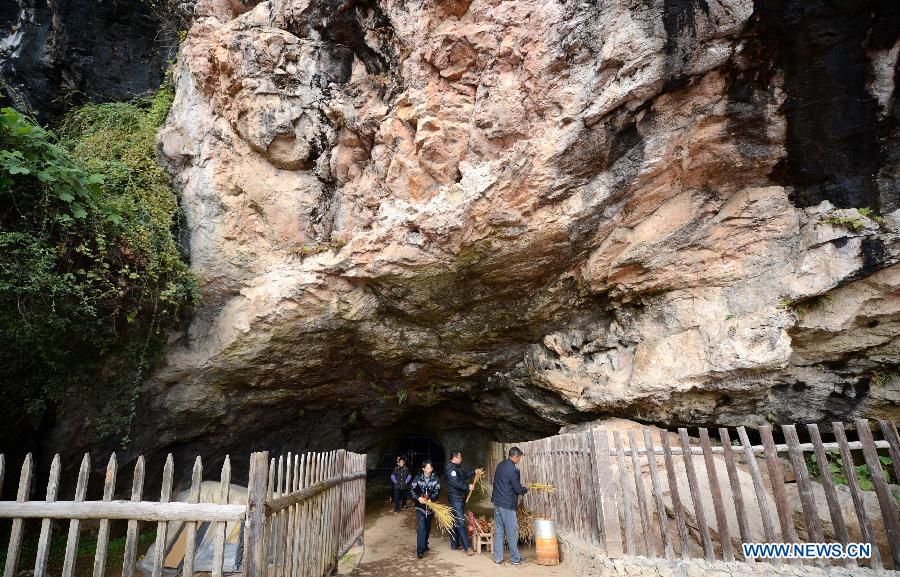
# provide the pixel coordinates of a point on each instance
(511, 215)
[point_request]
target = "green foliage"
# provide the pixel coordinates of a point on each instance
(884, 378)
(853, 223)
(848, 222)
(90, 274)
(839, 472)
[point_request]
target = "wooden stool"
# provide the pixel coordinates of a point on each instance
(480, 537)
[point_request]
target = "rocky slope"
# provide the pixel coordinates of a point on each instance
(504, 216)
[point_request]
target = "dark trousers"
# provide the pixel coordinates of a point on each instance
(459, 537)
(400, 497)
(423, 530)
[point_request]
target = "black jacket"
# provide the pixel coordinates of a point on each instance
(456, 479)
(400, 476)
(421, 486)
(507, 486)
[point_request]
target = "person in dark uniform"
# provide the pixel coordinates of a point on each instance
(459, 484)
(425, 487)
(401, 477)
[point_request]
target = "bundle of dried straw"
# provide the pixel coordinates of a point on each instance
(542, 487)
(478, 481)
(525, 518)
(443, 514)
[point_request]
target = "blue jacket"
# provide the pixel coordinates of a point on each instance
(507, 486)
(422, 486)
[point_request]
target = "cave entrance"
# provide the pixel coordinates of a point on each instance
(416, 448)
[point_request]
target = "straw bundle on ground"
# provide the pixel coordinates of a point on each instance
(525, 518)
(541, 487)
(443, 514)
(478, 481)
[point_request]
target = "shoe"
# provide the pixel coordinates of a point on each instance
(519, 562)
(420, 555)
(497, 562)
(470, 552)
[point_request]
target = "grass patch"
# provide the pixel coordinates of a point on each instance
(84, 558)
(853, 223)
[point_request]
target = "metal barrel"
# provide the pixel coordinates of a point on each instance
(546, 544)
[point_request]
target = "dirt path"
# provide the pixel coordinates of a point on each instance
(390, 551)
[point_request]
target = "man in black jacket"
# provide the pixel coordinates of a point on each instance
(458, 487)
(400, 478)
(505, 497)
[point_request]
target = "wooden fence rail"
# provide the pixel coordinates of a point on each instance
(651, 492)
(297, 522)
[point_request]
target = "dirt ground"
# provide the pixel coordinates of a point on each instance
(390, 551)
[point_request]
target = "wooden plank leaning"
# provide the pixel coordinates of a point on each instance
(646, 528)
(678, 508)
(856, 493)
(834, 507)
(804, 485)
(716, 495)
(735, 483)
(657, 495)
(885, 499)
(888, 430)
(607, 508)
(626, 500)
(776, 482)
(758, 487)
(699, 514)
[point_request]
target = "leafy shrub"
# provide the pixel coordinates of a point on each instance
(839, 473)
(90, 274)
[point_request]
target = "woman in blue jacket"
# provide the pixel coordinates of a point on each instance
(425, 487)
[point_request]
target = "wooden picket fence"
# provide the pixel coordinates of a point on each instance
(601, 495)
(303, 513)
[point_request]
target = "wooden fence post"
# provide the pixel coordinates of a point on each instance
(255, 549)
(608, 513)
